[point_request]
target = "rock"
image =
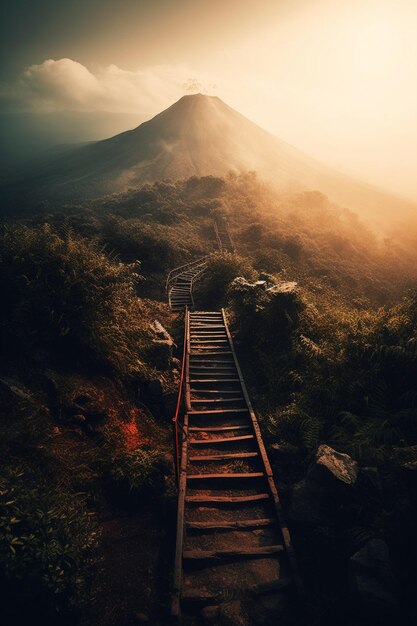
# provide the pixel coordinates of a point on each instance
(160, 332)
(284, 287)
(162, 346)
(328, 483)
(13, 390)
(161, 353)
(371, 577)
(268, 279)
(334, 465)
(405, 458)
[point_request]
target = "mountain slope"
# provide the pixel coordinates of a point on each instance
(197, 135)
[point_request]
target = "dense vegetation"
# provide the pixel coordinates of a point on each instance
(331, 359)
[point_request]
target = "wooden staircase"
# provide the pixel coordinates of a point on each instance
(223, 236)
(179, 285)
(232, 539)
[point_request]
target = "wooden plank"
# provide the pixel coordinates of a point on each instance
(226, 476)
(200, 325)
(212, 429)
(215, 441)
(206, 354)
(228, 499)
(202, 596)
(214, 391)
(204, 359)
(223, 457)
(217, 411)
(214, 380)
(211, 400)
(215, 368)
(227, 554)
(232, 525)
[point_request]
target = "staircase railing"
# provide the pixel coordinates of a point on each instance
(177, 427)
(174, 273)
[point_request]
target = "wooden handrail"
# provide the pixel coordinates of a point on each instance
(181, 268)
(175, 420)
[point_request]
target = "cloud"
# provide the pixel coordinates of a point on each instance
(64, 84)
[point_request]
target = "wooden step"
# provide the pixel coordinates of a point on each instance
(223, 457)
(214, 380)
(201, 325)
(210, 401)
(228, 554)
(203, 596)
(215, 441)
(232, 525)
(203, 342)
(227, 499)
(213, 391)
(205, 354)
(214, 429)
(226, 476)
(214, 368)
(218, 411)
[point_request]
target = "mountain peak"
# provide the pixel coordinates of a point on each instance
(197, 135)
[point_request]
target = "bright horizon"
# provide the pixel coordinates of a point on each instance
(336, 80)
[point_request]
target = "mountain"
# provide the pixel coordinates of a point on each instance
(198, 135)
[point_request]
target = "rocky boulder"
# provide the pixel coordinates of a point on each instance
(371, 578)
(162, 346)
(334, 467)
(328, 483)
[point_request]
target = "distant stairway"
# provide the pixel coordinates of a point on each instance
(180, 283)
(224, 238)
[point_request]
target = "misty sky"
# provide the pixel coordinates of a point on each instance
(336, 78)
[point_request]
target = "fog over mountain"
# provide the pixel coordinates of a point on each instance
(198, 135)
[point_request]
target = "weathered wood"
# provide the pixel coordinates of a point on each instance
(228, 499)
(217, 411)
(216, 440)
(214, 391)
(238, 553)
(201, 596)
(223, 457)
(214, 429)
(214, 380)
(210, 401)
(225, 475)
(232, 525)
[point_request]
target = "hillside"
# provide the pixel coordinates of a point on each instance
(198, 135)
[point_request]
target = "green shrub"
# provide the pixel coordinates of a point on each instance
(132, 475)
(62, 294)
(221, 269)
(47, 548)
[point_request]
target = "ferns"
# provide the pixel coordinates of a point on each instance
(295, 426)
